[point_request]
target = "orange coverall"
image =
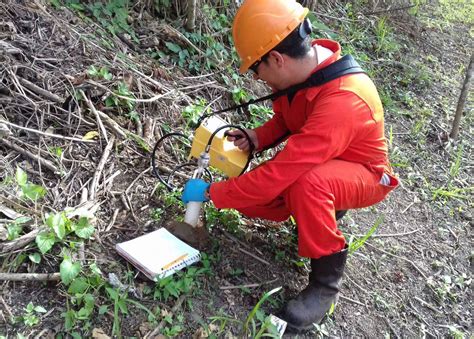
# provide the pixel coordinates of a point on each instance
(333, 160)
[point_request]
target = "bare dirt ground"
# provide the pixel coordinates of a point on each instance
(411, 278)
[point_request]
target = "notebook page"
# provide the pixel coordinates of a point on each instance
(157, 250)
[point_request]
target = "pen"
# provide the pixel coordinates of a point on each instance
(168, 265)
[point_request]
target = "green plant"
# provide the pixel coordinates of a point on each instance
(384, 36)
(355, 244)
(266, 325)
(181, 282)
(123, 99)
(30, 316)
(99, 73)
(15, 227)
(456, 165)
(191, 113)
(231, 219)
(258, 115)
(28, 190)
(113, 15)
(60, 227)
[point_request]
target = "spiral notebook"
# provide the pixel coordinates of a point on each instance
(158, 254)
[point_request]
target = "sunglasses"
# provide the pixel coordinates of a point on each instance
(254, 66)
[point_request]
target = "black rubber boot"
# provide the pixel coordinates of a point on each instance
(311, 305)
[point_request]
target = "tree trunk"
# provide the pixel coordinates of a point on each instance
(462, 100)
(191, 15)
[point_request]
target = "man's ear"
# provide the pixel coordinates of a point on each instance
(277, 58)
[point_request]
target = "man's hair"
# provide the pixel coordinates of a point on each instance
(293, 45)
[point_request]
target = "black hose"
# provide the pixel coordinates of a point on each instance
(153, 158)
(167, 183)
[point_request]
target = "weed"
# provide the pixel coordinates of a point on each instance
(251, 332)
(355, 244)
(15, 228)
(456, 165)
(384, 36)
(182, 282)
(258, 115)
(230, 219)
(113, 16)
(99, 73)
(191, 113)
(31, 315)
(123, 100)
(28, 190)
(156, 213)
(60, 226)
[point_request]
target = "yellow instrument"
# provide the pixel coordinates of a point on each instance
(223, 154)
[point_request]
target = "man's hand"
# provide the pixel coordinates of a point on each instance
(240, 140)
(195, 190)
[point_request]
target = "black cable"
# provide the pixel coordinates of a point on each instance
(153, 158)
(177, 168)
(251, 144)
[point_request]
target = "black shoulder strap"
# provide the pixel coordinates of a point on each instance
(344, 66)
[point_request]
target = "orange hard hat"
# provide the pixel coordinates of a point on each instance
(260, 25)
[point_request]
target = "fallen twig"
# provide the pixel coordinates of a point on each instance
(254, 256)
(152, 99)
(96, 113)
(100, 167)
(57, 136)
(399, 257)
(41, 91)
(136, 179)
(431, 307)
(389, 9)
(5, 305)
(247, 285)
(351, 300)
(386, 235)
(46, 163)
(20, 242)
(30, 276)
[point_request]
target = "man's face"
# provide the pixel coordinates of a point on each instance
(269, 71)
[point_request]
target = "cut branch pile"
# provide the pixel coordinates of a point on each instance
(55, 123)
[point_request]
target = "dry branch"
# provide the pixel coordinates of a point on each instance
(462, 99)
(41, 91)
(46, 163)
(100, 167)
(20, 242)
(30, 276)
(57, 136)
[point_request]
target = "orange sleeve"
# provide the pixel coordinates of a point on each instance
(326, 134)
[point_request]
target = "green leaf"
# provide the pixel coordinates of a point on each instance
(95, 269)
(69, 270)
(35, 257)
(40, 309)
(13, 231)
(33, 192)
(58, 223)
(83, 229)
(21, 220)
(69, 319)
(45, 241)
(29, 308)
(103, 309)
(21, 177)
(173, 47)
(78, 285)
